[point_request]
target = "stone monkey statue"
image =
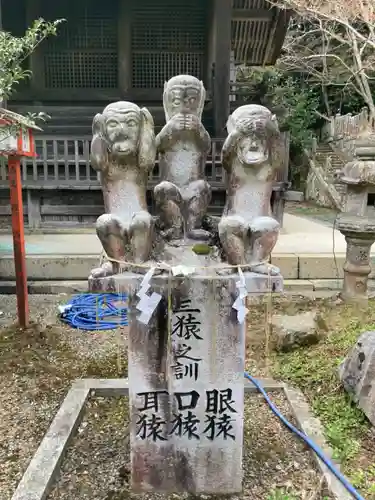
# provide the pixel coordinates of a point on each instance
(183, 195)
(123, 151)
(252, 153)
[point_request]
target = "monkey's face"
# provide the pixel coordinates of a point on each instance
(252, 150)
(121, 131)
(183, 99)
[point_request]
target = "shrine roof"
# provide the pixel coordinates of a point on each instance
(258, 32)
(13, 117)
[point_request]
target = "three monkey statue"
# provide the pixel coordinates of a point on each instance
(124, 150)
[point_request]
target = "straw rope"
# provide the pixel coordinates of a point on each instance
(163, 266)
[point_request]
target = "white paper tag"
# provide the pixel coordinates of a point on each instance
(182, 270)
(145, 285)
(143, 290)
(239, 303)
(242, 277)
(147, 303)
(147, 306)
(64, 308)
(241, 314)
(242, 292)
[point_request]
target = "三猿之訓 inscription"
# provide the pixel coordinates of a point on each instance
(187, 410)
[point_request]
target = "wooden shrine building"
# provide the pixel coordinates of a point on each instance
(110, 50)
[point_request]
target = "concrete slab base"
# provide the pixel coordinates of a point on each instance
(70, 287)
(37, 481)
(46, 287)
(51, 267)
(293, 266)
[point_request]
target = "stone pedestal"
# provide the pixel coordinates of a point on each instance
(359, 233)
(356, 224)
(186, 382)
(187, 318)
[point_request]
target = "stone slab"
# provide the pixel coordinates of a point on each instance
(327, 284)
(299, 235)
(77, 268)
(288, 265)
(304, 250)
(46, 287)
(57, 287)
(71, 256)
(321, 266)
(72, 287)
(51, 267)
(310, 288)
(257, 284)
(294, 196)
(39, 476)
(296, 285)
(186, 365)
(37, 481)
(312, 427)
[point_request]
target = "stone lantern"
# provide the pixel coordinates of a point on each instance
(16, 135)
(355, 223)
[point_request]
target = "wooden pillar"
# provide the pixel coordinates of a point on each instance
(34, 215)
(222, 17)
(15, 185)
(124, 48)
(33, 12)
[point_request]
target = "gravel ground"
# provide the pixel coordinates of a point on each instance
(272, 459)
(36, 370)
(43, 311)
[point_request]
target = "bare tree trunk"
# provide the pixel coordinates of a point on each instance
(326, 100)
(325, 44)
(361, 76)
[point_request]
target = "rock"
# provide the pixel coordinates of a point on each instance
(290, 332)
(357, 374)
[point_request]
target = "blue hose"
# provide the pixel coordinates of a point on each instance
(307, 440)
(94, 312)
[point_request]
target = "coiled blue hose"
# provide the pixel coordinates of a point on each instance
(93, 311)
(307, 440)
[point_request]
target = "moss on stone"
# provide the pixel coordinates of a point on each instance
(201, 249)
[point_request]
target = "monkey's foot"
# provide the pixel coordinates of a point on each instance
(265, 268)
(173, 233)
(107, 269)
(198, 234)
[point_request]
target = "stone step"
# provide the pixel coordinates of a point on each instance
(334, 164)
(81, 286)
(324, 151)
(333, 159)
(48, 267)
(329, 155)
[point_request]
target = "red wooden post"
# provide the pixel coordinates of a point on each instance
(15, 184)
